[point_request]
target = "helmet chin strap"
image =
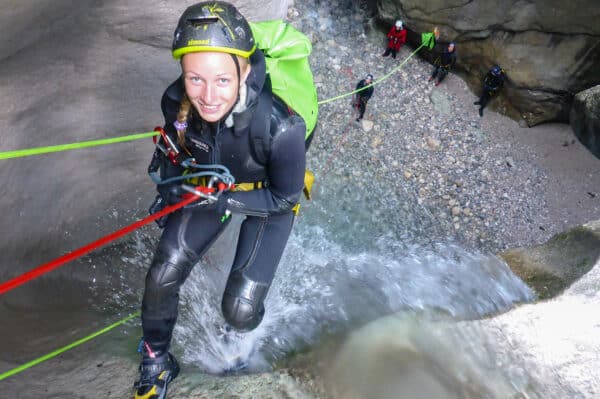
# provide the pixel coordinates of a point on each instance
(237, 65)
(237, 106)
(240, 104)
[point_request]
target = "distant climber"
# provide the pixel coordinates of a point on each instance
(444, 63)
(396, 38)
(362, 97)
(492, 83)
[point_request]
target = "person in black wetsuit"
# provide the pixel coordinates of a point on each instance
(208, 113)
(362, 97)
(492, 83)
(444, 63)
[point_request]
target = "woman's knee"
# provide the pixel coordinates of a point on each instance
(242, 304)
(170, 267)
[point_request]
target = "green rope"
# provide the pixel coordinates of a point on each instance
(387, 75)
(73, 146)
(57, 352)
(92, 143)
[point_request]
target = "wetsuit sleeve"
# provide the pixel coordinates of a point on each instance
(369, 93)
(287, 162)
(500, 81)
(487, 81)
(403, 36)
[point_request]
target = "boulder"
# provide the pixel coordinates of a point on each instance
(549, 49)
(585, 118)
(551, 267)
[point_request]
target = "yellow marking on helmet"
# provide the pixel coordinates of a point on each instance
(232, 35)
(215, 8)
(180, 52)
(198, 42)
(215, 11)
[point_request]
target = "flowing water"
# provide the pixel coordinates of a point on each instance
(323, 287)
(346, 264)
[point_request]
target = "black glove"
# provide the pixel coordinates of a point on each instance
(174, 194)
(157, 206)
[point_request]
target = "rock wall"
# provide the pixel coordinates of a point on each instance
(550, 49)
(585, 118)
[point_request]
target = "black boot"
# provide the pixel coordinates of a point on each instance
(480, 111)
(155, 375)
(477, 103)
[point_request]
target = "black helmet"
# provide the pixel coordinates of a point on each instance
(213, 26)
(496, 70)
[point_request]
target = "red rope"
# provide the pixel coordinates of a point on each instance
(47, 267)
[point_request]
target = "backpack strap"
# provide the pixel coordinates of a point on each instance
(260, 126)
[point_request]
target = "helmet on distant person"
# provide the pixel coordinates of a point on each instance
(398, 24)
(496, 70)
(369, 76)
(213, 26)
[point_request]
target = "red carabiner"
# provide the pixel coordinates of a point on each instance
(170, 150)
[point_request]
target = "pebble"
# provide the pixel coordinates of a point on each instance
(426, 161)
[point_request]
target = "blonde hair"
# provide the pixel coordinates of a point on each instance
(182, 117)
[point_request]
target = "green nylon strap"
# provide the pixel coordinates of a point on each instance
(65, 147)
(73, 146)
(387, 75)
(57, 352)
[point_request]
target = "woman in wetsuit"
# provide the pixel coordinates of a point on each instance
(208, 113)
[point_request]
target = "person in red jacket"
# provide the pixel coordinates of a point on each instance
(396, 38)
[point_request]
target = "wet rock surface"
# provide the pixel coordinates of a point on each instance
(585, 118)
(551, 267)
(548, 48)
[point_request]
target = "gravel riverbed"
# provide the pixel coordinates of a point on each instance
(483, 182)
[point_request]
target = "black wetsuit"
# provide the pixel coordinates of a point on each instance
(491, 85)
(443, 65)
(189, 233)
(362, 97)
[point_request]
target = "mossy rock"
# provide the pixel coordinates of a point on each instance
(552, 267)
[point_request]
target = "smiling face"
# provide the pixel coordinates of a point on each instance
(211, 82)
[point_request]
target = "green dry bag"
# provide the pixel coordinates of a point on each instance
(286, 52)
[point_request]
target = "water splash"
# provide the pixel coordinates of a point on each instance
(323, 287)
